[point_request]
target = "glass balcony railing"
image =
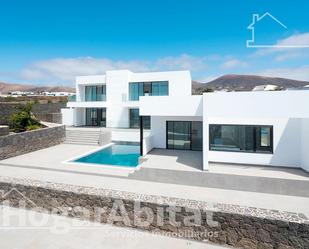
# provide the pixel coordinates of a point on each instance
(72, 98)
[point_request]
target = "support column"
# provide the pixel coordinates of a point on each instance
(205, 143)
(141, 134)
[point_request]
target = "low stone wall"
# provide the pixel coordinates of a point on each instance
(24, 142)
(238, 226)
(4, 130)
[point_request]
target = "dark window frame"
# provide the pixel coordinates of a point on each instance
(131, 119)
(99, 116)
(191, 126)
(141, 88)
(144, 122)
(96, 91)
(271, 147)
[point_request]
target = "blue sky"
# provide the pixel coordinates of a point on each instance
(50, 42)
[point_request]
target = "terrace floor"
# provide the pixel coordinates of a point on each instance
(170, 173)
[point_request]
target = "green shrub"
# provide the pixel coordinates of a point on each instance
(33, 127)
(23, 118)
(9, 99)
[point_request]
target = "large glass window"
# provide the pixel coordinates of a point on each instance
(95, 93)
(157, 88)
(133, 91)
(241, 138)
(134, 119)
(184, 135)
(96, 117)
(197, 135)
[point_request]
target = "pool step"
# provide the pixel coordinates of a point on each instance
(86, 137)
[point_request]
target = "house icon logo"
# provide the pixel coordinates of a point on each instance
(256, 19)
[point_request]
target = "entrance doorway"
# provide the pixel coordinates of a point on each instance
(184, 135)
(96, 117)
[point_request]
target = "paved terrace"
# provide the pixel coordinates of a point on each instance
(172, 174)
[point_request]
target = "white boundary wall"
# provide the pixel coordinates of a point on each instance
(67, 116)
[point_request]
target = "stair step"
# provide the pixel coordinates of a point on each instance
(81, 143)
(82, 137)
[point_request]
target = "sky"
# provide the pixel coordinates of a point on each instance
(50, 42)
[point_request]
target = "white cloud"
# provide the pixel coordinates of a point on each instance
(234, 63)
(64, 70)
(297, 40)
(184, 62)
(300, 73)
(208, 78)
(299, 48)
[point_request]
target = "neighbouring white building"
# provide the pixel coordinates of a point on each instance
(259, 128)
(266, 88)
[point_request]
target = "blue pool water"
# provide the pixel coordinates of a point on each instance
(116, 154)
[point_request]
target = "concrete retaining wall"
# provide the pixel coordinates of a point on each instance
(242, 227)
(24, 142)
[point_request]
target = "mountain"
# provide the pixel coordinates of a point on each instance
(7, 87)
(235, 82)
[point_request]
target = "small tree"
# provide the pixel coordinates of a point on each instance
(208, 90)
(23, 119)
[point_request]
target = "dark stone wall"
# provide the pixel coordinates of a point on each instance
(238, 230)
(8, 108)
(24, 142)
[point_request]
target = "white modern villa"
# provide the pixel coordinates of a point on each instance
(258, 128)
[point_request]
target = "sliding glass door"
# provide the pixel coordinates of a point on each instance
(134, 119)
(96, 117)
(197, 136)
(184, 135)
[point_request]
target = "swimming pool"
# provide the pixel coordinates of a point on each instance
(126, 155)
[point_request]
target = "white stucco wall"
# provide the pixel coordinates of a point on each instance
(293, 104)
(305, 144)
(171, 106)
(79, 116)
(147, 144)
(67, 116)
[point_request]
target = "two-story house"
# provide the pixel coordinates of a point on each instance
(259, 128)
